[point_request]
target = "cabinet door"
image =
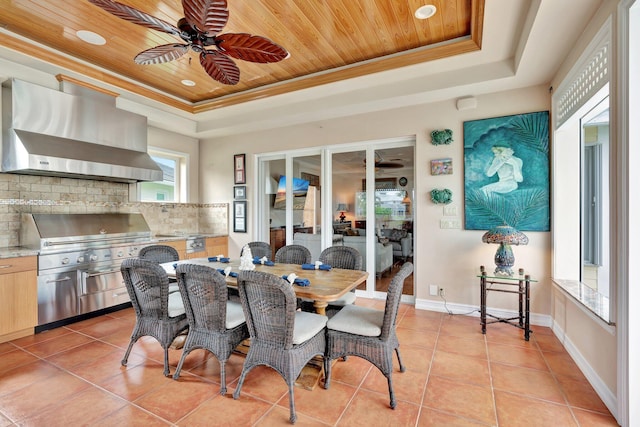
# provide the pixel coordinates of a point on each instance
(217, 245)
(18, 297)
(277, 240)
(178, 245)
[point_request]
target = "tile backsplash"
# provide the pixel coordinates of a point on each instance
(38, 194)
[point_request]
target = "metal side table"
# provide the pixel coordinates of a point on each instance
(506, 284)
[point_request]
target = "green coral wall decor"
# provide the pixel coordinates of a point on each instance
(442, 137)
(441, 196)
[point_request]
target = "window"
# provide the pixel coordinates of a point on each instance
(169, 189)
(581, 182)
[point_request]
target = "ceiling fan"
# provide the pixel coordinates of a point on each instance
(380, 163)
(199, 29)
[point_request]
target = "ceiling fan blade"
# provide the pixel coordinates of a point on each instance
(250, 48)
(207, 16)
(161, 54)
(220, 67)
(389, 165)
(135, 16)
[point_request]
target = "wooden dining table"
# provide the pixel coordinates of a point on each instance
(324, 286)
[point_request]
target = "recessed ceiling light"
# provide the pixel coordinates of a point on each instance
(91, 37)
(425, 12)
(188, 82)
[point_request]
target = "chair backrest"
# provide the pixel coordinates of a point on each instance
(148, 287)
(393, 299)
(258, 249)
(159, 253)
(293, 254)
(342, 257)
(204, 294)
(269, 305)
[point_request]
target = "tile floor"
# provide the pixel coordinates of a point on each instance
(455, 376)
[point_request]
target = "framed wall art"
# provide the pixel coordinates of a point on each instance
(240, 216)
(239, 171)
(442, 166)
(240, 192)
(506, 172)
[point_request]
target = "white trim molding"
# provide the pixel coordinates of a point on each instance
(608, 397)
(474, 311)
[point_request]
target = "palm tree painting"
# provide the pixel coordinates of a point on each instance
(506, 172)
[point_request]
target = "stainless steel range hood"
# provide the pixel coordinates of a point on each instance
(79, 133)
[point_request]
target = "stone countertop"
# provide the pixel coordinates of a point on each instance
(20, 251)
(171, 237)
(17, 251)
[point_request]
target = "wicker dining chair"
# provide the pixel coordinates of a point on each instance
(159, 253)
(281, 337)
(258, 249)
(342, 257)
(215, 324)
(293, 254)
(159, 314)
(368, 333)
(338, 257)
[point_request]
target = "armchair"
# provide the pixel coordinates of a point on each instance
(400, 240)
(384, 254)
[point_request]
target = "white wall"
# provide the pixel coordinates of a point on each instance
(449, 258)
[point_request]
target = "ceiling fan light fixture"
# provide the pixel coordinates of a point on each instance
(199, 30)
(425, 12)
(91, 37)
(187, 82)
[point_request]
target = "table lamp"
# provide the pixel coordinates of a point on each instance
(505, 236)
(342, 207)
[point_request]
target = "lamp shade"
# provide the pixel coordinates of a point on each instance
(342, 207)
(505, 236)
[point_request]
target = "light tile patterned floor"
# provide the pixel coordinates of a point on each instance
(455, 376)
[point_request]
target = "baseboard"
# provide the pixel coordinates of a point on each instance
(474, 310)
(608, 397)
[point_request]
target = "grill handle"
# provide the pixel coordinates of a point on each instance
(62, 279)
(77, 241)
(99, 272)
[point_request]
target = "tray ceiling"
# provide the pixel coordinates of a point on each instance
(328, 41)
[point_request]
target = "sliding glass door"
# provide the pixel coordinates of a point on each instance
(357, 195)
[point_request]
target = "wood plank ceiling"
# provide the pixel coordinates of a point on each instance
(329, 40)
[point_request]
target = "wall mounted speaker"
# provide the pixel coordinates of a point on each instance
(467, 103)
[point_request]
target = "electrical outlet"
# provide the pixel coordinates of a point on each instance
(441, 292)
(433, 290)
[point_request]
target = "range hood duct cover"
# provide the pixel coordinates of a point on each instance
(52, 133)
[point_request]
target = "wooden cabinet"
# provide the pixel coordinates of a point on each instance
(217, 245)
(18, 297)
(213, 246)
(277, 239)
(178, 245)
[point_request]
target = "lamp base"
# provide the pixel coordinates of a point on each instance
(342, 216)
(504, 260)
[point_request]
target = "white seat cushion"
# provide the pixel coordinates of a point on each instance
(176, 306)
(173, 288)
(346, 299)
(235, 315)
(358, 320)
(307, 325)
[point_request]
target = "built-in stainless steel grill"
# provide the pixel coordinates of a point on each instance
(79, 260)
